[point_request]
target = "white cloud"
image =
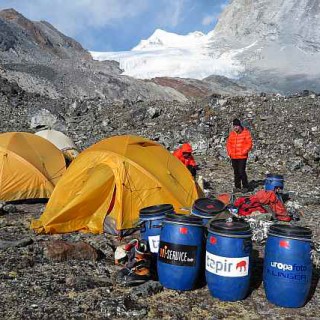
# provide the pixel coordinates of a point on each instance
(177, 12)
(171, 13)
(207, 20)
(74, 16)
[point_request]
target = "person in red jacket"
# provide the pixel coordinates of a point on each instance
(239, 143)
(184, 154)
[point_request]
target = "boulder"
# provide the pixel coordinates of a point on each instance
(58, 250)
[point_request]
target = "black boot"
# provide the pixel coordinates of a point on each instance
(137, 270)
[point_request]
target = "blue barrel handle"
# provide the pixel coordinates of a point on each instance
(141, 225)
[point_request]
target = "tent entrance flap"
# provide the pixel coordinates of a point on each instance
(109, 223)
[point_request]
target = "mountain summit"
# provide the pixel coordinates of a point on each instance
(270, 45)
(24, 36)
(161, 40)
(174, 55)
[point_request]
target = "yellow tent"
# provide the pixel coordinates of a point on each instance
(30, 166)
(107, 184)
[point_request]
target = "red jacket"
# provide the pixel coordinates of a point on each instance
(179, 154)
(247, 205)
(270, 198)
(239, 144)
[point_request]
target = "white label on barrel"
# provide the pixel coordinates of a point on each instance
(154, 243)
(227, 267)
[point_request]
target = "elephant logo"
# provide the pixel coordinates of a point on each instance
(242, 266)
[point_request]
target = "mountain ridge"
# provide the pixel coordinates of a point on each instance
(271, 46)
(43, 60)
(45, 35)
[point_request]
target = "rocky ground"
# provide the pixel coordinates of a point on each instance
(286, 130)
(36, 283)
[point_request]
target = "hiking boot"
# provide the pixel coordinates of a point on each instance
(137, 270)
(121, 274)
(139, 274)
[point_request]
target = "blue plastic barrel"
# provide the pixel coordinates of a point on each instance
(287, 271)
(150, 224)
(228, 252)
(180, 255)
(207, 208)
(274, 181)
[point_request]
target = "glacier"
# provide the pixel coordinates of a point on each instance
(174, 55)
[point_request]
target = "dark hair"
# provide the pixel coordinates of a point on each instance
(236, 122)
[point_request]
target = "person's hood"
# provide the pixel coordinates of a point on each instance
(186, 147)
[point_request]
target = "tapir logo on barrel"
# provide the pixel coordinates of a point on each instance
(242, 266)
(226, 266)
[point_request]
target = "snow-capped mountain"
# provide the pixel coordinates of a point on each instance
(271, 45)
(170, 54)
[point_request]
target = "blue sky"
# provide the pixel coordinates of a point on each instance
(116, 25)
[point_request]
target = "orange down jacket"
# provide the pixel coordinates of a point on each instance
(239, 144)
(179, 154)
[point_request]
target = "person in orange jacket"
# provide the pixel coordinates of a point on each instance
(184, 154)
(239, 143)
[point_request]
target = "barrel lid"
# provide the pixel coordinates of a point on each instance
(230, 228)
(290, 231)
(183, 219)
(160, 208)
(209, 206)
(275, 176)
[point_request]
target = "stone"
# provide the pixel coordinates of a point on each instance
(146, 289)
(81, 283)
(44, 119)
(58, 250)
(2, 204)
(5, 244)
(9, 208)
(153, 112)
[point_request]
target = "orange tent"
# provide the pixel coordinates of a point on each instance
(107, 184)
(30, 166)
